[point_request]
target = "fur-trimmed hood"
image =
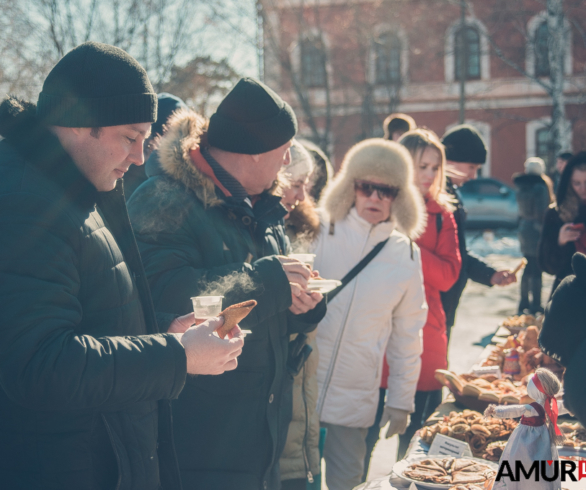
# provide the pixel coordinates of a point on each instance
(385, 160)
(185, 131)
(177, 156)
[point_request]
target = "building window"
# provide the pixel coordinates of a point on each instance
(542, 51)
(467, 48)
(313, 63)
(543, 146)
(387, 51)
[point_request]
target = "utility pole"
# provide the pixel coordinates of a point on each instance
(461, 46)
(557, 47)
(260, 40)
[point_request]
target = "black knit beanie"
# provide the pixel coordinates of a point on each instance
(97, 85)
(168, 104)
(252, 119)
(464, 145)
(564, 324)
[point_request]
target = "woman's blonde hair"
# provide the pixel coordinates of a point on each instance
(417, 141)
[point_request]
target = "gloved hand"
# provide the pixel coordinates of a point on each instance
(399, 421)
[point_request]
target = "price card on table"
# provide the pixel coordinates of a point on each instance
(480, 370)
(448, 446)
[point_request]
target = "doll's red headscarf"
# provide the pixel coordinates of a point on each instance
(550, 405)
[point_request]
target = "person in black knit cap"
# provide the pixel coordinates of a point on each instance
(465, 154)
(168, 104)
(87, 368)
(563, 335)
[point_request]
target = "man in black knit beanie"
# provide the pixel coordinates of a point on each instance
(87, 368)
(465, 154)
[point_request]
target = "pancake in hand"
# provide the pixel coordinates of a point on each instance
(233, 315)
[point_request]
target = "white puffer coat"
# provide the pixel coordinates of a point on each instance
(382, 310)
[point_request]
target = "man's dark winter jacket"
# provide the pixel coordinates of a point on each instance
(229, 429)
(533, 200)
(473, 267)
(82, 367)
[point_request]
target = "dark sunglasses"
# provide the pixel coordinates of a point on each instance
(366, 189)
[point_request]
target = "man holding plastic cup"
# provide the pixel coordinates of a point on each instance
(209, 219)
(87, 368)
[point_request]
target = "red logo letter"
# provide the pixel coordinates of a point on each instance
(582, 469)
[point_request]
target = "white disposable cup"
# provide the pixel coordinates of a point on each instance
(205, 307)
(305, 258)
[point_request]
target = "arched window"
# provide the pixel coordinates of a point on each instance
(542, 51)
(387, 51)
(467, 48)
(313, 63)
(543, 145)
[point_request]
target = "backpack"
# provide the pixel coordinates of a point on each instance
(533, 200)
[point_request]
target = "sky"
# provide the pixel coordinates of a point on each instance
(233, 36)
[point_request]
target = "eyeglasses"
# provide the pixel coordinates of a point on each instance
(384, 192)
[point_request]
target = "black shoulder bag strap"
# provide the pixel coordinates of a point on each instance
(356, 270)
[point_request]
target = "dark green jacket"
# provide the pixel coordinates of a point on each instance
(229, 429)
(82, 367)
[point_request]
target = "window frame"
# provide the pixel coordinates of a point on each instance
(392, 54)
(467, 54)
(317, 63)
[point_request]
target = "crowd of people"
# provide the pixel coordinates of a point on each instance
(106, 380)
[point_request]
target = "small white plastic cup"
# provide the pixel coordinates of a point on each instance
(205, 307)
(305, 258)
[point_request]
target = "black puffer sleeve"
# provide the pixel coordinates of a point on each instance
(44, 362)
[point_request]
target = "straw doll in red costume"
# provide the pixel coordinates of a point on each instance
(537, 434)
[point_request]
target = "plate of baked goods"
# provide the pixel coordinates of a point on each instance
(486, 436)
(444, 472)
(323, 285)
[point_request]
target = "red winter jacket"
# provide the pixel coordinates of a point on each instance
(441, 262)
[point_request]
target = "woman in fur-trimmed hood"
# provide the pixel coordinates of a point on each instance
(380, 312)
(563, 226)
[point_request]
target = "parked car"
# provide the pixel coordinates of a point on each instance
(489, 203)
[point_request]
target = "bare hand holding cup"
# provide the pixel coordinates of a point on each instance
(298, 274)
(208, 354)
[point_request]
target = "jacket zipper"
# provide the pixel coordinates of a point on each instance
(115, 452)
(304, 445)
(330, 372)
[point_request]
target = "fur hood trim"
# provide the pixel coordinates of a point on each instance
(392, 164)
(184, 132)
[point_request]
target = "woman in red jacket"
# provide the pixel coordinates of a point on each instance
(441, 262)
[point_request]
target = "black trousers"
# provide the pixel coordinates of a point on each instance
(425, 404)
(531, 283)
